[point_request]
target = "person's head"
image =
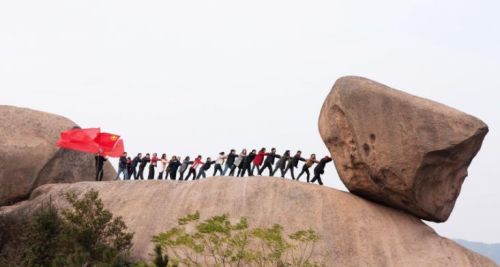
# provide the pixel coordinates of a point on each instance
(187, 158)
(299, 153)
(244, 151)
(313, 156)
(139, 155)
(221, 153)
(263, 150)
(209, 159)
(199, 157)
(163, 156)
(155, 155)
(129, 158)
(232, 151)
(147, 155)
(254, 151)
(174, 158)
(273, 150)
(125, 154)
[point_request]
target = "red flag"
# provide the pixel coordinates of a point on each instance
(107, 141)
(117, 151)
(80, 140)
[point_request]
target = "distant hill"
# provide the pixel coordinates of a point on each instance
(491, 251)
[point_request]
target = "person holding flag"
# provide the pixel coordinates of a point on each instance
(99, 166)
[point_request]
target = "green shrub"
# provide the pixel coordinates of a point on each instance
(218, 242)
(83, 235)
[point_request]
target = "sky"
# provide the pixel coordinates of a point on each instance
(200, 77)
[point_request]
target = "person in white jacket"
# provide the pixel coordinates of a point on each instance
(219, 162)
(162, 164)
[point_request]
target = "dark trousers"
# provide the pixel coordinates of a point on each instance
(305, 170)
(99, 173)
(182, 174)
(317, 177)
(233, 168)
(218, 167)
(281, 168)
(133, 172)
(140, 174)
(201, 173)
(151, 174)
(266, 165)
(289, 167)
(191, 171)
(242, 171)
(160, 176)
(173, 174)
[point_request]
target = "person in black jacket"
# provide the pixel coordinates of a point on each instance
(129, 167)
(247, 164)
(142, 166)
(122, 167)
(205, 167)
(99, 166)
(320, 169)
(184, 166)
(174, 165)
(133, 166)
(293, 162)
(269, 161)
(282, 163)
(229, 161)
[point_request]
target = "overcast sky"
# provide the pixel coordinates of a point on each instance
(189, 77)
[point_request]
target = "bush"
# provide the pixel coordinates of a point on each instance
(218, 242)
(83, 235)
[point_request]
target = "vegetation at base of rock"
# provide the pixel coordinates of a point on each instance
(217, 241)
(83, 235)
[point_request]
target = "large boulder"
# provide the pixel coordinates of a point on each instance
(398, 149)
(354, 231)
(29, 156)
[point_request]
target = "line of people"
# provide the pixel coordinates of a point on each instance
(234, 164)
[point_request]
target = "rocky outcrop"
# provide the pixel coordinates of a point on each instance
(397, 149)
(355, 232)
(29, 156)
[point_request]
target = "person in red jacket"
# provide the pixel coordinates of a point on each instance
(152, 166)
(192, 170)
(258, 160)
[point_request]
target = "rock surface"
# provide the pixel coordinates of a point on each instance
(29, 156)
(397, 149)
(355, 232)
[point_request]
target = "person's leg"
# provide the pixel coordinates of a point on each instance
(283, 172)
(173, 174)
(301, 172)
(126, 174)
(231, 172)
(141, 173)
(200, 174)
(151, 174)
(307, 173)
(194, 173)
(120, 170)
(160, 176)
(291, 171)
(204, 174)
(226, 167)
(97, 174)
(101, 173)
